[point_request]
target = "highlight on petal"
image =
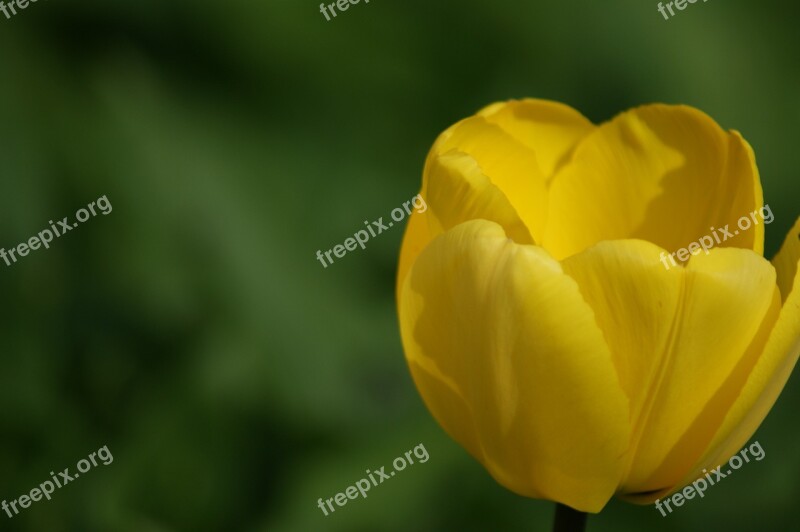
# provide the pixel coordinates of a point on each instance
(677, 337)
(508, 357)
(665, 174)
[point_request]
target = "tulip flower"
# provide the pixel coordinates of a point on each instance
(541, 327)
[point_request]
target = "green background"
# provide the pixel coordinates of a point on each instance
(193, 331)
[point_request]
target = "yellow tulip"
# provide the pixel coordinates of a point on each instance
(544, 332)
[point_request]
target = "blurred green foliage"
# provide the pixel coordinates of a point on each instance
(192, 331)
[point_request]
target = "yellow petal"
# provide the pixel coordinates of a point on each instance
(506, 162)
(415, 239)
(458, 191)
(676, 337)
(665, 174)
(763, 384)
(533, 137)
(550, 129)
(508, 357)
(785, 261)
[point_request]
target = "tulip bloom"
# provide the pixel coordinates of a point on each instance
(541, 327)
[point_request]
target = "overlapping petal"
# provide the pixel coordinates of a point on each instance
(457, 190)
(508, 357)
(763, 383)
(677, 337)
(517, 145)
(549, 129)
(665, 174)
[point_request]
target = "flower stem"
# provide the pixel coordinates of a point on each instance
(568, 520)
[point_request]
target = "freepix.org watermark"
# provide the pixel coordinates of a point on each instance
(679, 4)
(13, 5)
(707, 242)
(700, 485)
(48, 487)
(360, 238)
(343, 5)
(46, 236)
(362, 486)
